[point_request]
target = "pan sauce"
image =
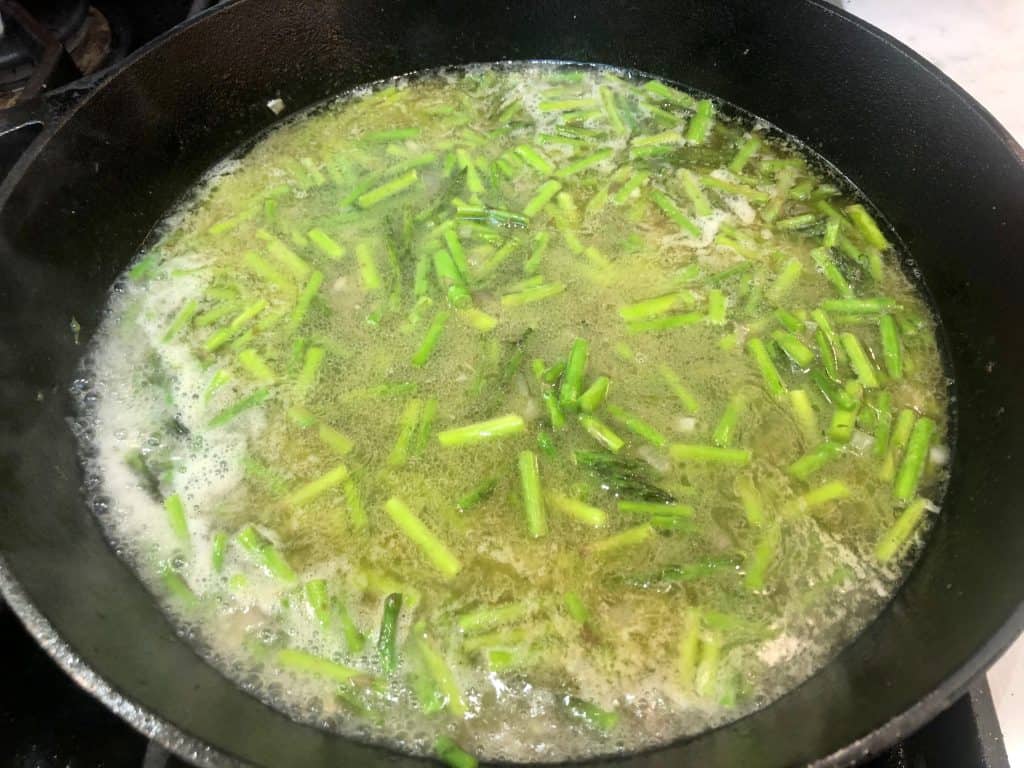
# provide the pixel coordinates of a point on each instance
(279, 373)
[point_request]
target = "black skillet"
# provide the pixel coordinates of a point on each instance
(78, 204)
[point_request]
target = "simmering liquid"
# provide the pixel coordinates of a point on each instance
(539, 412)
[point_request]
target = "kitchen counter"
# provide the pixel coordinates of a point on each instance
(980, 45)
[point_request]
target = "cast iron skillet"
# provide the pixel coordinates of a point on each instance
(78, 204)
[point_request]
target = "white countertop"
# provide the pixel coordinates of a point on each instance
(980, 44)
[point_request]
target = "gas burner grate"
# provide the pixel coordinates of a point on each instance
(45, 44)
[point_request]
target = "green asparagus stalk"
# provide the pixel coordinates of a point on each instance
(689, 649)
(627, 538)
(867, 226)
(501, 637)
(590, 714)
(319, 601)
(637, 426)
(555, 413)
(717, 304)
(532, 294)
(671, 210)
(633, 183)
(326, 244)
(266, 554)
(750, 498)
(746, 151)
(300, 661)
(544, 195)
(707, 668)
(658, 305)
(572, 378)
(682, 393)
(430, 339)
(388, 189)
(731, 188)
(585, 163)
(828, 354)
(760, 558)
(883, 426)
(368, 272)
(789, 321)
(897, 442)
(284, 255)
(232, 411)
(256, 366)
(915, 459)
(477, 495)
(692, 187)
(803, 411)
(354, 502)
(387, 639)
(452, 755)
(181, 319)
(835, 490)
(895, 539)
(709, 454)
(355, 641)
(852, 306)
(177, 587)
(665, 323)
(436, 552)
(489, 617)
(457, 252)
(655, 509)
(833, 393)
(786, 280)
(892, 353)
(177, 519)
(840, 430)
(335, 440)
(862, 367)
(794, 349)
(594, 395)
(535, 159)
(770, 374)
(725, 430)
(451, 279)
(662, 92)
(576, 607)
(314, 488)
(443, 677)
(533, 498)
(309, 292)
(581, 511)
(219, 551)
(828, 268)
(510, 424)
(601, 432)
(814, 461)
(700, 124)
(314, 358)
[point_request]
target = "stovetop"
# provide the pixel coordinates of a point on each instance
(46, 721)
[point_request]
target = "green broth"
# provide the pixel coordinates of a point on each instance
(623, 394)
